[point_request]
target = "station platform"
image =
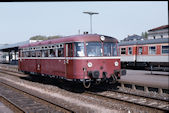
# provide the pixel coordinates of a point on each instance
(9, 67)
(4, 109)
(157, 78)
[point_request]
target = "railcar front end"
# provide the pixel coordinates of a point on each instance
(100, 63)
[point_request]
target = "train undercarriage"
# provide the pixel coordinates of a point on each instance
(86, 82)
(154, 66)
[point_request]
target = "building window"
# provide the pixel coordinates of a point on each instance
(152, 50)
(165, 49)
(140, 50)
(129, 50)
(123, 50)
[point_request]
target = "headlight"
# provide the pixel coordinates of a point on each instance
(102, 38)
(89, 64)
(116, 63)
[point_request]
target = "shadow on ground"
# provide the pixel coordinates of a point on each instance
(70, 86)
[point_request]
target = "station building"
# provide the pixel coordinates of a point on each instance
(133, 37)
(158, 32)
(9, 52)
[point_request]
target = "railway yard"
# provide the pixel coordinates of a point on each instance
(137, 92)
(57, 65)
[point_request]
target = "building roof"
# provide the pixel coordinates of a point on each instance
(14, 45)
(133, 37)
(159, 28)
(141, 42)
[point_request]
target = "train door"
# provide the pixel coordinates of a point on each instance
(69, 61)
(20, 60)
(38, 62)
(38, 66)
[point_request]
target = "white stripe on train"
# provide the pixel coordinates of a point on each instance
(70, 58)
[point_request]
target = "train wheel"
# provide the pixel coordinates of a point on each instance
(86, 84)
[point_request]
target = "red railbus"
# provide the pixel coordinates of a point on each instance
(89, 58)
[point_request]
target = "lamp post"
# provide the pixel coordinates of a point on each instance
(90, 13)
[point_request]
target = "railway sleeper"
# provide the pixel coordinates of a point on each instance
(26, 102)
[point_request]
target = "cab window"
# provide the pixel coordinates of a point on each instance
(110, 49)
(79, 49)
(94, 49)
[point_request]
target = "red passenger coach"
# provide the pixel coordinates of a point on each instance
(84, 58)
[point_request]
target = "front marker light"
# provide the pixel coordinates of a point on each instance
(116, 63)
(89, 64)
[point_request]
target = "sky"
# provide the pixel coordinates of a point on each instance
(21, 20)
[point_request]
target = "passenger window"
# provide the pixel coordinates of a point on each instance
(52, 53)
(165, 49)
(33, 54)
(38, 53)
(28, 54)
(140, 50)
(60, 52)
(123, 50)
(79, 49)
(129, 50)
(152, 50)
(45, 53)
(23, 54)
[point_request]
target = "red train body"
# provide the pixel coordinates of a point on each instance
(82, 58)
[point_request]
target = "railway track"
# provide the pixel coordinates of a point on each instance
(131, 99)
(24, 102)
(13, 107)
(20, 74)
(12, 73)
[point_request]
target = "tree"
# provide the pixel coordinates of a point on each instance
(144, 34)
(53, 37)
(38, 37)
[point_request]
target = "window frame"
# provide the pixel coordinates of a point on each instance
(162, 50)
(113, 48)
(101, 50)
(130, 51)
(123, 51)
(151, 52)
(140, 53)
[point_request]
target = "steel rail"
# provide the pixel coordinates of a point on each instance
(161, 99)
(19, 109)
(41, 99)
(124, 99)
